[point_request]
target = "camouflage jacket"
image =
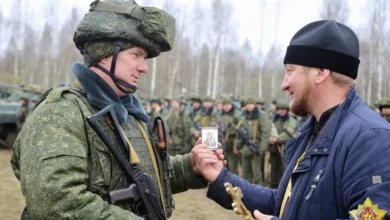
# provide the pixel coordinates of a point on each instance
(229, 120)
(257, 124)
(66, 172)
(286, 129)
(206, 118)
(179, 129)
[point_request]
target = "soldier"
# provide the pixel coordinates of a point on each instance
(166, 103)
(147, 107)
(196, 106)
(157, 109)
(271, 111)
(218, 106)
(183, 106)
(71, 161)
(286, 127)
(258, 127)
(260, 103)
(384, 107)
(179, 129)
(206, 116)
(230, 117)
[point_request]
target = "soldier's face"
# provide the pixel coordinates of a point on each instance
(250, 106)
(281, 111)
(175, 104)
(386, 111)
(207, 105)
(155, 105)
(296, 83)
(130, 65)
(227, 107)
(195, 105)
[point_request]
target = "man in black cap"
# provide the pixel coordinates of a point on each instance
(337, 166)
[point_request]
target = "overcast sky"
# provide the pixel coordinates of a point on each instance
(294, 14)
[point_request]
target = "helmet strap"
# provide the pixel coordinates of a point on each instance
(118, 82)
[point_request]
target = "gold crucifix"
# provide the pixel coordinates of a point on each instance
(238, 206)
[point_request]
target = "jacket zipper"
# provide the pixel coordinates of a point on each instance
(312, 188)
(314, 185)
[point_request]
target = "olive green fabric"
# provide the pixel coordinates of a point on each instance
(154, 30)
(228, 121)
(179, 132)
(286, 128)
(252, 162)
(66, 171)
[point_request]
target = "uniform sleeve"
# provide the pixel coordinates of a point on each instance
(366, 173)
(51, 160)
(288, 132)
(264, 131)
(183, 176)
(255, 197)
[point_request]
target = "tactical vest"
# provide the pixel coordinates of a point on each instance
(105, 172)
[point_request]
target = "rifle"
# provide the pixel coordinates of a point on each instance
(142, 191)
(248, 141)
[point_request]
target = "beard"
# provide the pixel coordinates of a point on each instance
(300, 106)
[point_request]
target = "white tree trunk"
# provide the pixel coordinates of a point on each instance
(174, 74)
(216, 73)
(260, 83)
(154, 71)
(210, 73)
(238, 82)
(370, 73)
(197, 74)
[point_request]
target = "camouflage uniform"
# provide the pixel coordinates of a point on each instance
(206, 117)
(65, 170)
(258, 126)
(179, 131)
(229, 120)
(286, 127)
(194, 112)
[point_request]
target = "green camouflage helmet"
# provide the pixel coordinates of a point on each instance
(250, 100)
(260, 101)
(227, 100)
(155, 99)
(282, 105)
(384, 103)
(125, 21)
(196, 98)
(208, 98)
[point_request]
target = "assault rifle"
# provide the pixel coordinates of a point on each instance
(142, 191)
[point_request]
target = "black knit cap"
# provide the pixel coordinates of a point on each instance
(325, 44)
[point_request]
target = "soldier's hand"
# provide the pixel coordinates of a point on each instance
(205, 162)
(236, 151)
(260, 216)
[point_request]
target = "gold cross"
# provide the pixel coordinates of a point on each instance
(238, 206)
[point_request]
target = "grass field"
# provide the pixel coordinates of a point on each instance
(192, 204)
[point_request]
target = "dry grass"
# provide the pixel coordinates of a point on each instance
(191, 205)
(11, 198)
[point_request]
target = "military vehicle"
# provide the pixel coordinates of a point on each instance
(13, 112)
